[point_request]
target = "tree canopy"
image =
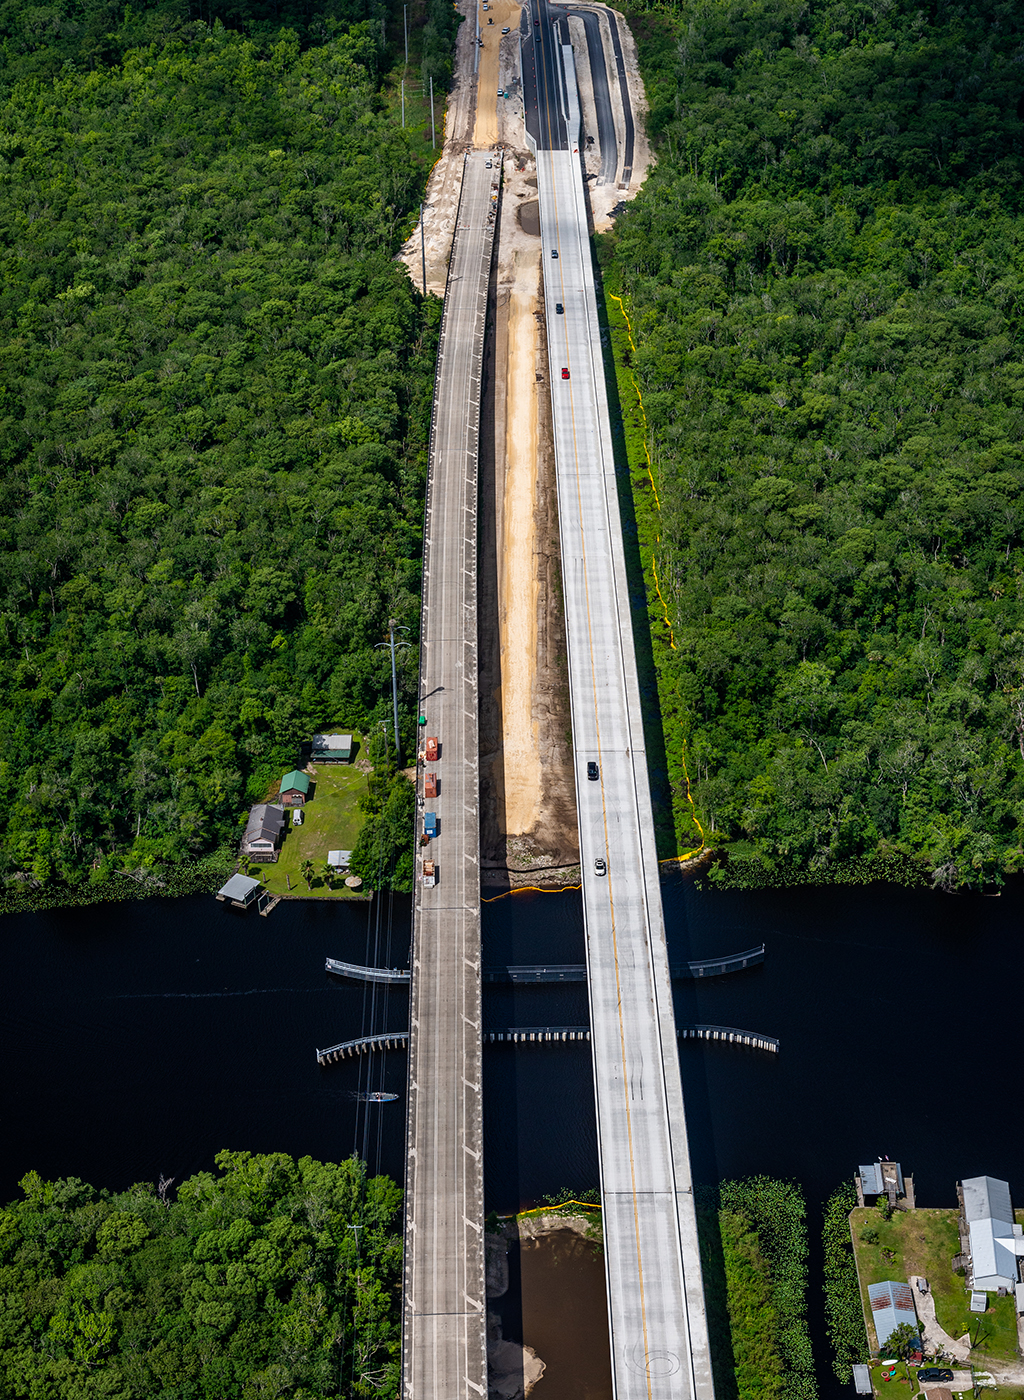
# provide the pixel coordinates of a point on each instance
(268, 1277)
(215, 390)
(825, 275)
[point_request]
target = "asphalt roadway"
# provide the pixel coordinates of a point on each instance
(657, 1318)
(444, 1351)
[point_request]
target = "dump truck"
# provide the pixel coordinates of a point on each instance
(429, 873)
(430, 785)
(433, 751)
(430, 823)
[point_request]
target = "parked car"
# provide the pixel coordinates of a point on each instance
(559, 309)
(593, 772)
(600, 868)
(506, 30)
(934, 1373)
(565, 372)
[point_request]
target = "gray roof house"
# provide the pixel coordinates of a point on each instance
(996, 1241)
(263, 831)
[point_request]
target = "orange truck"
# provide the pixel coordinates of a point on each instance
(432, 751)
(430, 785)
(429, 873)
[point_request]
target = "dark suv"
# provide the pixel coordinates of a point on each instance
(934, 1373)
(593, 772)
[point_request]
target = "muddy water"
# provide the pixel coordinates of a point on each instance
(565, 1316)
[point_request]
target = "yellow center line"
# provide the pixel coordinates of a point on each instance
(604, 809)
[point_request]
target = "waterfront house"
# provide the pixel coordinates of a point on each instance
(332, 748)
(294, 788)
(263, 832)
(989, 1236)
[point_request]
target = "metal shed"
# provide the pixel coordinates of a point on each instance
(892, 1304)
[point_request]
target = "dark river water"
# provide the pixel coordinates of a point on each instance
(140, 1039)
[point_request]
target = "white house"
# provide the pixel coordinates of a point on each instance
(996, 1241)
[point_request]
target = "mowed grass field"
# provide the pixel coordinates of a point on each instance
(925, 1242)
(331, 820)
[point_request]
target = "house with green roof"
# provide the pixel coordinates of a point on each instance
(294, 788)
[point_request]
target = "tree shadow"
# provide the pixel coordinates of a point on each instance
(723, 1360)
(650, 703)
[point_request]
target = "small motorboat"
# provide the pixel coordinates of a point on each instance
(377, 1097)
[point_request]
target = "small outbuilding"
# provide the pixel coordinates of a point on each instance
(892, 1305)
(263, 832)
(332, 748)
(294, 788)
(240, 890)
(339, 860)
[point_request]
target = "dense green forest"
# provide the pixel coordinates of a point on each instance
(754, 1256)
(271, 1277)
(215, 390)
(824, 275)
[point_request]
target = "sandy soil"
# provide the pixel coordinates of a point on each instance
(517, 572)
(529, 833)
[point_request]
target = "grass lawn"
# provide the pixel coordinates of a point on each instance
(924, 1242)
(330, 822)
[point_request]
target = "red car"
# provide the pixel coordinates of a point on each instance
(565, 372)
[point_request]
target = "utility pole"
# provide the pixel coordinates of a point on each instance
(423, 251)
(405, 25)
(433, 137)
(392, 625)
(403, 104)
